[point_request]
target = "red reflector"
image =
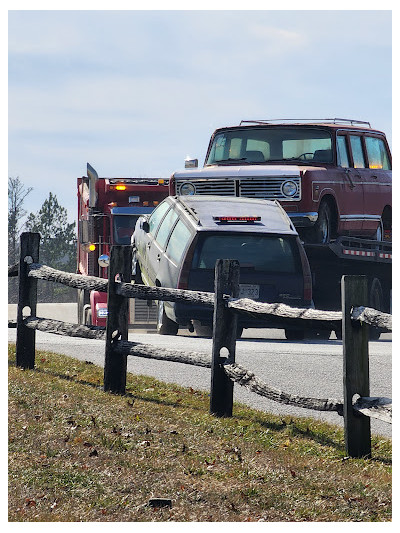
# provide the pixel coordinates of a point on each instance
(237, 219)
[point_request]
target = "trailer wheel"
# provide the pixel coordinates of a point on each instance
(375, 300)
(294, 334)
(165, 326)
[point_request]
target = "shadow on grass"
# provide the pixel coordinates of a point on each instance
(277, 426)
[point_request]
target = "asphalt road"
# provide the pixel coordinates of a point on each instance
(311, 369)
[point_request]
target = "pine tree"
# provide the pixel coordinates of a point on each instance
(16, 196)
(57, 245)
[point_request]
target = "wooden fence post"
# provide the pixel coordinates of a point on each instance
(227, 274)
(117, 319)
(27, 297)
(357, 428)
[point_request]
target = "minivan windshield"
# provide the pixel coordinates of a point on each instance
(262, 145)
(266, 253)
(123, 227)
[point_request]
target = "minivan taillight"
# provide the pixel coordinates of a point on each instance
(183, 280)
(307, 279)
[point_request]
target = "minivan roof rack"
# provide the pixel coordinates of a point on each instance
(188, 209)
(313, 120)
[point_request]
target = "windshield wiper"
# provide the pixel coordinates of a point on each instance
(230, 160)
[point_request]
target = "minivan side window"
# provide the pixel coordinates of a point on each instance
(156, 216)
(377, 153)
(165, 227)
(178, 241)
(356, 148)
(342, 153)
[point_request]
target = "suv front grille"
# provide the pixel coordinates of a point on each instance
(224, 187)
(270, 187)
(249, 187)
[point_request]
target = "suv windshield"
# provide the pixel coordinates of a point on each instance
(260, 145)
(266, 253)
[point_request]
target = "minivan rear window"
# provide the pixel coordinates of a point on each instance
(266, 253)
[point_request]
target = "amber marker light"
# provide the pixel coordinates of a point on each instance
(92, 247)
(120, 187)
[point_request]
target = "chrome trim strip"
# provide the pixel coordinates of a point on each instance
(360, 217)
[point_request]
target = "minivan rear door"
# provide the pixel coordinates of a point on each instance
(270, 265)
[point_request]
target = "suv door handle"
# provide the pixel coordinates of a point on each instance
(348, 174)
(158, 257)
(148, 244)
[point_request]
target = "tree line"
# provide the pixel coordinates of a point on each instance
(57, 243)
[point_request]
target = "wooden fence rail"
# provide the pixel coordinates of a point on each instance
(357, 406)
(282, 313)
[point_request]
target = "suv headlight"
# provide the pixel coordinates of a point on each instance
(289, 188)
(187, 189)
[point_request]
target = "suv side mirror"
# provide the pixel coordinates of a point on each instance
(145, 226)
(191, 163)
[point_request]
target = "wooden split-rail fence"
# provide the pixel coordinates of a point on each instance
(357, 406)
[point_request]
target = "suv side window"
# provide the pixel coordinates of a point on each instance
(356, 148)
(165, 227)
(342, 152)
(156, 216)
(377, 153)
(178, 241)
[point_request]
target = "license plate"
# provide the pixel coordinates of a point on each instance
(249, 291)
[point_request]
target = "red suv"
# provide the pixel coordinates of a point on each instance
(332, 177)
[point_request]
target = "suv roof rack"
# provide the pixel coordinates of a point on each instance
(321, 120)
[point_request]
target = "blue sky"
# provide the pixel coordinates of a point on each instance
(135, 92)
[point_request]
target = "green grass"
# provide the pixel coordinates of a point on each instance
(79, 454)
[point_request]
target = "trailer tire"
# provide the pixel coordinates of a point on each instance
(165, 326)
(375, 300)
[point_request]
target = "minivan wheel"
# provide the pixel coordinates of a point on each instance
(165, 326)
(202, 331)
(294, 334)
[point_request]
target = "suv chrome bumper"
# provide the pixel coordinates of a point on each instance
(303, 220)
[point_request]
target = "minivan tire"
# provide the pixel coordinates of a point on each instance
(294, 334)
(165, 326)
(202, 331)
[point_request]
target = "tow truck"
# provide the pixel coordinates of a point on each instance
(108, 209)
